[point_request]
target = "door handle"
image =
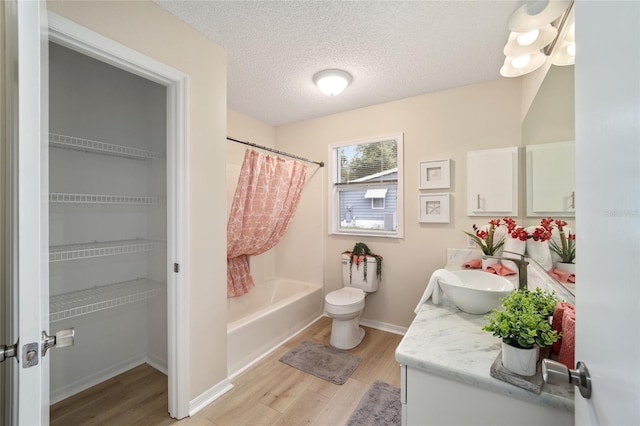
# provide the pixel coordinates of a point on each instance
(554, 373)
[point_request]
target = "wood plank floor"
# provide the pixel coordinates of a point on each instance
(269, 393)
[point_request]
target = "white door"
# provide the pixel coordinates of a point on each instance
(29, 234)
(27, 34)
(607, 79)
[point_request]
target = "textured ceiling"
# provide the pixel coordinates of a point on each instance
(393, 49)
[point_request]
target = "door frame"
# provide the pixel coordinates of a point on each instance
(80, 39)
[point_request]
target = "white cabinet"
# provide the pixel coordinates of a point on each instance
(429, 399)
(492, 182)
(551, 179)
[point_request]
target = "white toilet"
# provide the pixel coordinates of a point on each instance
(346, 305)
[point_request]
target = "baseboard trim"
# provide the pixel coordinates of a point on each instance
(383, 326)
(209, 396)
(158, 363)
(71, 389)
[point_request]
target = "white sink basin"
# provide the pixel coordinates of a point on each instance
(477, 292)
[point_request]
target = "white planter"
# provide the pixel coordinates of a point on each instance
(520, 361)
(569, 267)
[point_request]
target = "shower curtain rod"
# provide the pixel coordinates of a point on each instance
(275, 151)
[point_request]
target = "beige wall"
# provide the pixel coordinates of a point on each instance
(147, 28)
(440, 125)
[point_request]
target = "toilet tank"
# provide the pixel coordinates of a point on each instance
(357, 274)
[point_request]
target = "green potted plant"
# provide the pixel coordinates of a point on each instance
(524, 327)
(359, 255)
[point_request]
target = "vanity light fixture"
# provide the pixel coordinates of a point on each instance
(332, 82)
(567, 52)
(533, 35)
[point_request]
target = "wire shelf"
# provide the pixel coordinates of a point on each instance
(70, 142)
(98, 249)
(64, 197)
(83, 302)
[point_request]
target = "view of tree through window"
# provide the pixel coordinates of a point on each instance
(362, 160)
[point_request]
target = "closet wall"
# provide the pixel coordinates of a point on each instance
(107, 183)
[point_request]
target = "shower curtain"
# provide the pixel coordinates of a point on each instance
(264, 203)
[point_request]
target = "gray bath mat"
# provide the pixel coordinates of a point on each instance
(324, 361)
(381, 406)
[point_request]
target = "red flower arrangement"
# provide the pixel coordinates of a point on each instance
(516, 232)
(485, 239)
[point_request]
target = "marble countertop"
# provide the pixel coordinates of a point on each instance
(444, 341)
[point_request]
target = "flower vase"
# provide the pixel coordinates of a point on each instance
(520, 361)
(488, 262)
(569, 267)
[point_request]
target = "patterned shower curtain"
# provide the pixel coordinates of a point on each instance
(264, 203)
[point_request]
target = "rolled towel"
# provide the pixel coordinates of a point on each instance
(433, 287)
(473, 264)
(568, 348)
(558, 313)
(563, 276)
(498, 269)
(511, 246)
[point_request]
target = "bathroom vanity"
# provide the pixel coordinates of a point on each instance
(446, 358)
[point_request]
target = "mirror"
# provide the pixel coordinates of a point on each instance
(548, 133)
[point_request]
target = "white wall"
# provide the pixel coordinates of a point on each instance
(439, 125)
(149, 29)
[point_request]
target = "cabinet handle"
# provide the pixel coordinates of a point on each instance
(478, 201)
(573, 200)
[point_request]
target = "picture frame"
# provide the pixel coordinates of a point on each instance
(434, 208)
(435, 174)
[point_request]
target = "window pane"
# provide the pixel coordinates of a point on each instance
(367, 161)
(367, 187)
(358, 212)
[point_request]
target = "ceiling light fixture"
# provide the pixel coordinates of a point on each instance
(533, 36)
(332, 82)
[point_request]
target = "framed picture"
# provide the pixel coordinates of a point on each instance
(434, 208)
(435, 174)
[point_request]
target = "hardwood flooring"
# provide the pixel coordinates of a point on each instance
(269, 393)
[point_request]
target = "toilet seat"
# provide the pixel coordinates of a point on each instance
(345, 300)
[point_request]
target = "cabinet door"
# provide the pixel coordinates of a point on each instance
(492, 182)
(551, 179)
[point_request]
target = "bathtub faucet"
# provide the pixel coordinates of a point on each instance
(522, 267)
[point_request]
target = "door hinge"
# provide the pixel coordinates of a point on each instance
(176, 267)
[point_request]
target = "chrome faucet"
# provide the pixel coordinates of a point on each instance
(522, 267)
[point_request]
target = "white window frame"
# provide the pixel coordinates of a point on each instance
(334, 200)
(374, 207)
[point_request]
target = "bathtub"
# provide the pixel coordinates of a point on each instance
(268, 315)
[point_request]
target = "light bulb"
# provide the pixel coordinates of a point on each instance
(571, 49)
(521, 61)
(526, 39)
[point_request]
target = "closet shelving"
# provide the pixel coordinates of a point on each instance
(66, 252)
(64, 197)
(82, 302)
(89, 145)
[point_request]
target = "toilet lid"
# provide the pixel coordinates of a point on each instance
(345, 296)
